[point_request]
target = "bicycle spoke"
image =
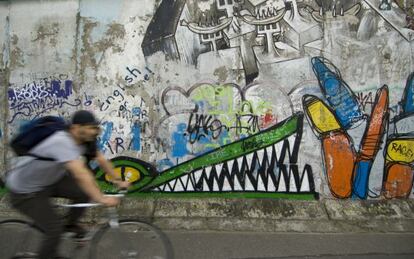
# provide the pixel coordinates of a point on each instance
(23, 239)
(132, 239)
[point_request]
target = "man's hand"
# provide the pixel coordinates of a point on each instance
(123, 185)
(110, 201)
(109, 170)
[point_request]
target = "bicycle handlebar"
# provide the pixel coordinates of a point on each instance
(120, 194)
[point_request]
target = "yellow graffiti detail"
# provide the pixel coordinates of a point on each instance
(131, 174)
(401, 150)
(219, 99)
(322, 117)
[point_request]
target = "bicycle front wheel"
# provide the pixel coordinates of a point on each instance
(18, 238)
(132, 239)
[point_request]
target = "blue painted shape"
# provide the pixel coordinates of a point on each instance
(179, 148)
(338, 94)
(68, 88)
(164, 164)
(106, 135)
(136, 111)
(408, 99)
(204, 141)
(11, 95)
(224, 138)
(56, 89)
(136, 137)
(1, 134)
(360, 184)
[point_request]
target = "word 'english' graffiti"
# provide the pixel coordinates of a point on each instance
(135, 74)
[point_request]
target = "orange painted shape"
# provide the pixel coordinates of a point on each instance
(339, 159)
(399, 180)
(375, 129)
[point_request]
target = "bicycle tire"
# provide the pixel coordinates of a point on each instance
(132, 239)
(23, 238)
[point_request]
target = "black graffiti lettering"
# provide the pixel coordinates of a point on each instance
(110, 148)
(247, 123)
(403, 150)
(365, 100)
(136, 74)
(119, 144)
(205, 126)
(202, 126)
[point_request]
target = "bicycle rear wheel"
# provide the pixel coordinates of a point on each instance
(19, 238)
(132, 239)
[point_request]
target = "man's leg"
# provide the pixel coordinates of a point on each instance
(37, 206)
(68, 188)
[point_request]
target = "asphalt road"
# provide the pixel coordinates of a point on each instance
(254, 245)
(217, 245)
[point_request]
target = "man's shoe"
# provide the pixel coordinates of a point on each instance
(79, 231)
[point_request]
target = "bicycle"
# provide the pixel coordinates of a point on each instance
(114, 238)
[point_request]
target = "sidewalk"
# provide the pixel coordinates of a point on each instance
(263, 215)
(253, 245)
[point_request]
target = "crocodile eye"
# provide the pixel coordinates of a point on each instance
(139, 173)
(126, 173)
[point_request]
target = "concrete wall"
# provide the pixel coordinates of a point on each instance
(295, 99)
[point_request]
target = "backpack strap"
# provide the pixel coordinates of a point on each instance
(41, 157)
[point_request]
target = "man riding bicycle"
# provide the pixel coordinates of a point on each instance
(33, 182)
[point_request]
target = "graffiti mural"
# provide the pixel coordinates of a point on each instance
(399, 168)
(295, 99)
(257, 32)
(264, 163)
(348, 169)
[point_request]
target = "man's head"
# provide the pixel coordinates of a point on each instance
(84, 126)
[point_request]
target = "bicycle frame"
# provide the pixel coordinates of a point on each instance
(99, 234)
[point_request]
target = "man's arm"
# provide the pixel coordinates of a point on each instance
(87, 182)
(109, 169)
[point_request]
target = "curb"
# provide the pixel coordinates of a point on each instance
(261, 215)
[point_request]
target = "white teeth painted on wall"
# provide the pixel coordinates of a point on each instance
(197, 175)
(190, 185)
(259, 171)
(248, 186)
(226, 185)
(271, 186)
(218, 167)
(304, 186)
(237, 185)
(260, 154)
(281, 184)
(249, 158)
(260, 185)
(292, 184)
(269, 150)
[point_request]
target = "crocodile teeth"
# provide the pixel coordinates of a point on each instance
(270, 169)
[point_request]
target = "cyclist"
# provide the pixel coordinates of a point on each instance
(32, 182)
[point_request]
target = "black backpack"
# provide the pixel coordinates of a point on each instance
(34, 132)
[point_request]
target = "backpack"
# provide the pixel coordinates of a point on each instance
(34, 132)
